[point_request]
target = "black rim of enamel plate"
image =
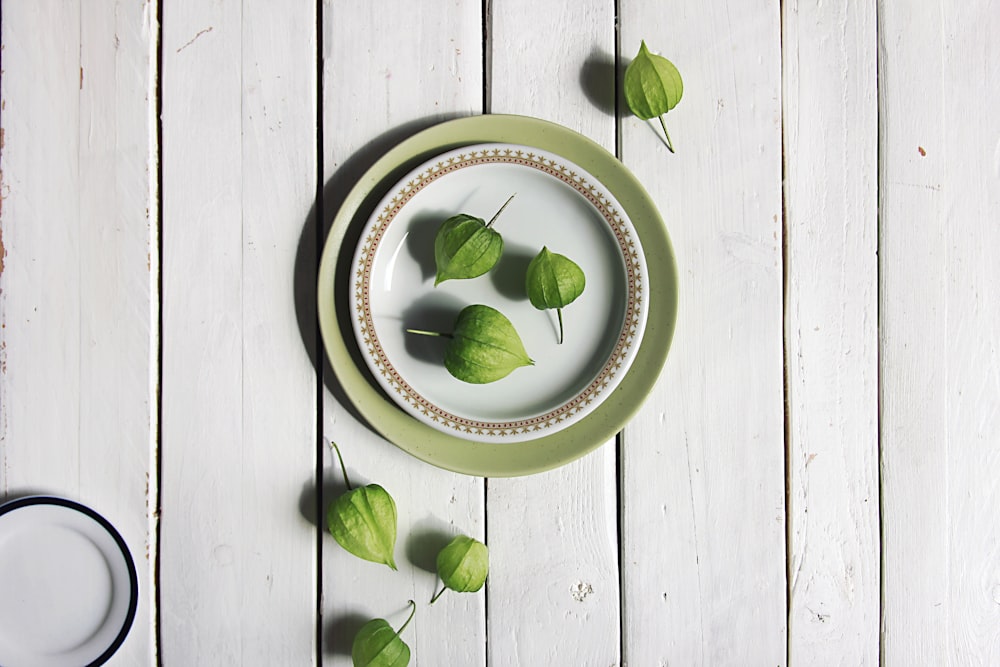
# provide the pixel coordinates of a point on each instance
(133, 578)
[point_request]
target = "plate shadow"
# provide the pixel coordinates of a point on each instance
(312, 239)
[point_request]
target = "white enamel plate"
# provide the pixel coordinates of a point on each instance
(558, 205)
(68, 586)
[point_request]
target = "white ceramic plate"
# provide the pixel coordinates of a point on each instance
(557, 205)
(68, 586)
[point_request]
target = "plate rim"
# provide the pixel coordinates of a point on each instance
(626, 340)
(506, 459)
(133, 605)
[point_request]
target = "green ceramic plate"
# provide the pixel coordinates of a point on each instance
(495, 459)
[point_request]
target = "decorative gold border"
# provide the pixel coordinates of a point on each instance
(626, 243)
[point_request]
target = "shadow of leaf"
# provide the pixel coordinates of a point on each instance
(420, 240)
(598, 79)
(426, 539)
(434, 312)
(508, 274)
(339, 634)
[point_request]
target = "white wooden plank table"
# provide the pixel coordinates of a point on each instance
(814, 478)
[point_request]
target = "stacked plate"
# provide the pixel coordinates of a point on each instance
(377, 280)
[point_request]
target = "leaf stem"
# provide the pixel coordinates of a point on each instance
(343, 468)
(559, 314)
(663, 124)
(438, 594)
(497, 214)
(413, 610)
(424, 332)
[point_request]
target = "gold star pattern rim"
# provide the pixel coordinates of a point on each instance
(626, 243)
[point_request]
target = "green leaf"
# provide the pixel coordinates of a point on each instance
(554, 281)
(466, 247)
(653, 86)
(378, 645)
(483, 347)
(463, 565)
(363, 521)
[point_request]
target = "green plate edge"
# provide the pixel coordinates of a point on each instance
(503, 459)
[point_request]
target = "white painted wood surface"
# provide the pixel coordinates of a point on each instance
(238, 560)
(78, 269)
(703, 464)
(939, 186)
(812, 481)
(831, 331)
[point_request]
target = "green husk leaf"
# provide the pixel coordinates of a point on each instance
(363, 521)
(377, 645)
(463, 565)
(466, 247)
(484, 346)
(554, 281)
(653, 86)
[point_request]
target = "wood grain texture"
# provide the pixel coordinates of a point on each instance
(554, 584)
(383, 80)
(939, 171)
(555, 61)
(78, 299)
(247, 573)
(831, 337)
(913, 343)
(703, 463)
(238, 566)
